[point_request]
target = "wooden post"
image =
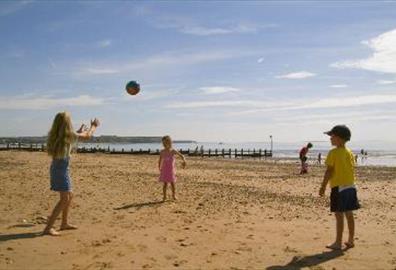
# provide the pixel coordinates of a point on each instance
(209, 152)
(229, 153)
(236, 153)
(222, 152)
(265, 153)
(216, 152)
(242, 153)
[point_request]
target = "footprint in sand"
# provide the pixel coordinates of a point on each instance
(179, 263)
(161, 239)
(290, 250)
(170, 257)
(250, 236)
(142, 247)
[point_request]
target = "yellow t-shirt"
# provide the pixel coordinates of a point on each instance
(342, 160)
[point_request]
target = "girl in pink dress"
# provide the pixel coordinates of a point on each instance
(166, 166)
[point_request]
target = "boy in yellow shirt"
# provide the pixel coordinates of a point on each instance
(340, 172)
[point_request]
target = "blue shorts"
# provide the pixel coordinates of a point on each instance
(343, 200)
(59, 175)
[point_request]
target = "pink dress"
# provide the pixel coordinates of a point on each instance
(167, 172)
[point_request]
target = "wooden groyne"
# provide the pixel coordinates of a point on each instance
(225, 153)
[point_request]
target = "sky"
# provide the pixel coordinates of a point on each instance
(224, 71)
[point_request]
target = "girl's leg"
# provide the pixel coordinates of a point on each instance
(55, 213)
(173, 191)
(339, 229)
(65, 224)
(351, 228)
(164, 191)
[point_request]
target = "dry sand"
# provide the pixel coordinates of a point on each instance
(231, 214)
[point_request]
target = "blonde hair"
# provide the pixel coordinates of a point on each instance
(60, 136)
(166, 139)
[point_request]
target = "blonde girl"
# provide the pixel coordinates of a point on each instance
(60, 141)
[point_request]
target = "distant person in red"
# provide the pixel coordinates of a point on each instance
(303, 158)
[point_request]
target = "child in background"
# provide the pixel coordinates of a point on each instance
(340, 173)
(60, 141)
(303, 158)
(166, 166)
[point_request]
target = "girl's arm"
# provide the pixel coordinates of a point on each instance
(160, 161)
(326, 179)
(181, 156)
(82, 129)
(87, 134)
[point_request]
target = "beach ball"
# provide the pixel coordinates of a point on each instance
(132, 88)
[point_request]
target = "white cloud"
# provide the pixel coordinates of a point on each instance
(150, 95)
(260, 60)
(99, 71)
(13, 6)
(383, 58)
(385, 82)
(166, 60)
(208, 31)
(218, 90)
(104, 43)
(226, 103)
(296, 75)
(285, 105)
(349, 101)
(338, 86)
(334, 117)
(24, 102)
(186, 25)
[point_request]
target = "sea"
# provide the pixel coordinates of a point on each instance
(378, 153)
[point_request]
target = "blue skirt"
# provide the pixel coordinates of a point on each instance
(59, 175)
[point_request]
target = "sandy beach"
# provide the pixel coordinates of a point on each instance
(231, 214)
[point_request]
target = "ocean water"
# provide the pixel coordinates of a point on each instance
(378, 154)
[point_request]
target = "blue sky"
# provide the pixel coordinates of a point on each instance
(209, 71)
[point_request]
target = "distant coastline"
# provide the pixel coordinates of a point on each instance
(95, 139)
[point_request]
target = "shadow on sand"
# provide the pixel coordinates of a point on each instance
(138, 205)
(7, 237)
(299, 262)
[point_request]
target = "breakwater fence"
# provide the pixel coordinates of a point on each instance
(225, 153)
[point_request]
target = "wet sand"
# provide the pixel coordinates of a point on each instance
(231, 214)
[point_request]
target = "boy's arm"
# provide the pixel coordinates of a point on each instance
(325, 181)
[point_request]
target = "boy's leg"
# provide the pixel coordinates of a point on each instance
(164, 191)
(173, 191)
(351, 227)
(55, 213)
(65, 224)
(339, 229)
